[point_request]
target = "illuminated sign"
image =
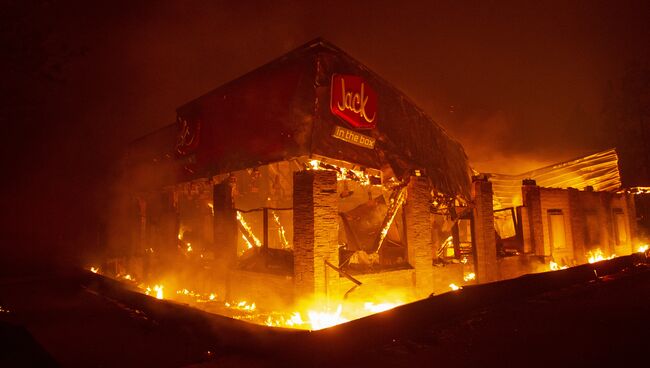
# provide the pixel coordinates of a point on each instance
(353, 101)
(353, 137)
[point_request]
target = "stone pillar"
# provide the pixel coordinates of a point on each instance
(631, 215)
(578, 226)
(315, 234)
(487, 269)
(610, 234)
(533, 202)
(418, 233)
(225, 223)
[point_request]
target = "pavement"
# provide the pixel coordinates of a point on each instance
(56, 318)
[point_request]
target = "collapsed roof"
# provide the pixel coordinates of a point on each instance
(281, 111)
(598, 170)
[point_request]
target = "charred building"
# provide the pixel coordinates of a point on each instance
(311, 176)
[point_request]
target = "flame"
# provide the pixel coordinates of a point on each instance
(313, 317)
(469, 277)
(248, 229)
(446, 247)
(198, 297)
(378, 308)
(643, 248)
(211, 208)
(94, 269)
(553, 266)
(241, 305)
(248, 244)
(320, 320)
(342, 173)
(189, 247)
(597, 256)
(315, 164)
(157, 288)
(639, 190)
(454, 287)
(281, 232)
(316, 320)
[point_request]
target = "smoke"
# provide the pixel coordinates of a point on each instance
(85, 79)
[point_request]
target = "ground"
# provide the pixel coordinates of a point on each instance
(54, 319)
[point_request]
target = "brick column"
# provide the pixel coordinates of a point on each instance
(484, 234)
(578, 227)
(315, 233)
(533, 203)
(631, 215)
(225, 223)
(418, 233)
(610, 234)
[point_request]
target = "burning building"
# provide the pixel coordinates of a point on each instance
(313, 179)
(567, 213)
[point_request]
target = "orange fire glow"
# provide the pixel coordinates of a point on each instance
(597, 256)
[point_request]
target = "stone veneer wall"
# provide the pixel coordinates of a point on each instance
(622, 202)
(484, 234)
(531, 200)
(578, 225)
(315, 234)
(575, 206)
(418, 233)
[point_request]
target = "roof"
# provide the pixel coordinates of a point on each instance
(280, 111)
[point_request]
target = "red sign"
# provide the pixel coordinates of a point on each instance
(354, 101)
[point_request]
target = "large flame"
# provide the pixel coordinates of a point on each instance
(597, 256)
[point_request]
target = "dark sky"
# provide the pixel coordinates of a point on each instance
(519, 84)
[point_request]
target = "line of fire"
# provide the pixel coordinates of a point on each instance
(310, 192)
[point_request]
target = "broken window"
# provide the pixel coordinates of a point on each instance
(371, 227)
(504, 223)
